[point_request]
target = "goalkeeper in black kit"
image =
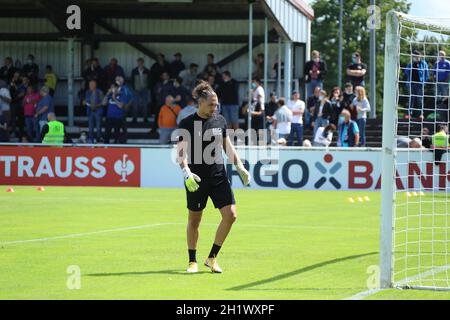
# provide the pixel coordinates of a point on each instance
(201, 139)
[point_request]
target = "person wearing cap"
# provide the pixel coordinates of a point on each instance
(53, 132)
(43, 108)
(416, 74)
(297, 108)
(356, 71)
(177, 65)
(140, 77)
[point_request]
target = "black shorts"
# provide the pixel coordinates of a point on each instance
(218, 189)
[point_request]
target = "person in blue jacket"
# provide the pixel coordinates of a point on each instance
(416, 74)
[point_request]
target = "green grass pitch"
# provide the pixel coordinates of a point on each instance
(130, 244)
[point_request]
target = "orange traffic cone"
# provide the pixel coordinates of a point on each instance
(10, 190)
(40, 189)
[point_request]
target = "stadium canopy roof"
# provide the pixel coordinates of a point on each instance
(289, 17)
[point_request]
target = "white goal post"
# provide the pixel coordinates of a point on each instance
(415, 204)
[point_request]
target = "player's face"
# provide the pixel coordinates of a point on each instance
(210, 105)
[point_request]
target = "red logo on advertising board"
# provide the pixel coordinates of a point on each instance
(118, 167)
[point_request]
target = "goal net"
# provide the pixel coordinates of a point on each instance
(415, 222)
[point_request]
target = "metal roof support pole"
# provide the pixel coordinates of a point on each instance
(341, 28)
(287, 69)
(373, 67)
(70, 82)
(250, 66)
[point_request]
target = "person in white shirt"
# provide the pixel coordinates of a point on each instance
(324, 136)
(297, 107)
(281, 121)
(362, 105)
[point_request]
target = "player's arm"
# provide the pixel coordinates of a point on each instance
(191, 180)
(234, 157)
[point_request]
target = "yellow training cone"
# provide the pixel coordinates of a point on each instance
(351, 200)
(366, 198)
(360, 199)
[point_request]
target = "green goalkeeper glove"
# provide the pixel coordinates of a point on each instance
(191, 180)
(243, 173)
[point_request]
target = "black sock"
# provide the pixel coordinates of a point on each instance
(214, 251)
(192, 255)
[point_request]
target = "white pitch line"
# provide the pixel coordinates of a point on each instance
(364, 294)
(78, 235)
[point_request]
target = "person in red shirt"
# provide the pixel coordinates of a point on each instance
(29, 105)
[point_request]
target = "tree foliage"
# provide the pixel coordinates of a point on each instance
(356, 35)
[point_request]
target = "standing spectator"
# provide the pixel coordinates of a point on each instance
(211, 67)
(297, 108)
(278, 61)
(348, 132)
(315, 71)
(347, 101)
(272, 105)
(16, 116)
(180, 93)
(441, 75)
(336, 105)
(259, 66)
(167, 120)
(112, 70)
(190, 108)
(258, 105)
(356, 71)
(8, 70)
(30, 102)
(324, 136)
(362, 106)
(281, 121)
(161, 90)
(190, 76)
(177, 65)
(31, 71)
(311, 103)
(94, 108)
(322, 112)
(50, 79)
(53, 132)
(93, 71)
(43, 108)
(228, 92)
(211, 79)
(4, 137)
(416, 74)
(5, 102)
(116, 100)
(426, 138)
(141, 81)
(157, 69)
